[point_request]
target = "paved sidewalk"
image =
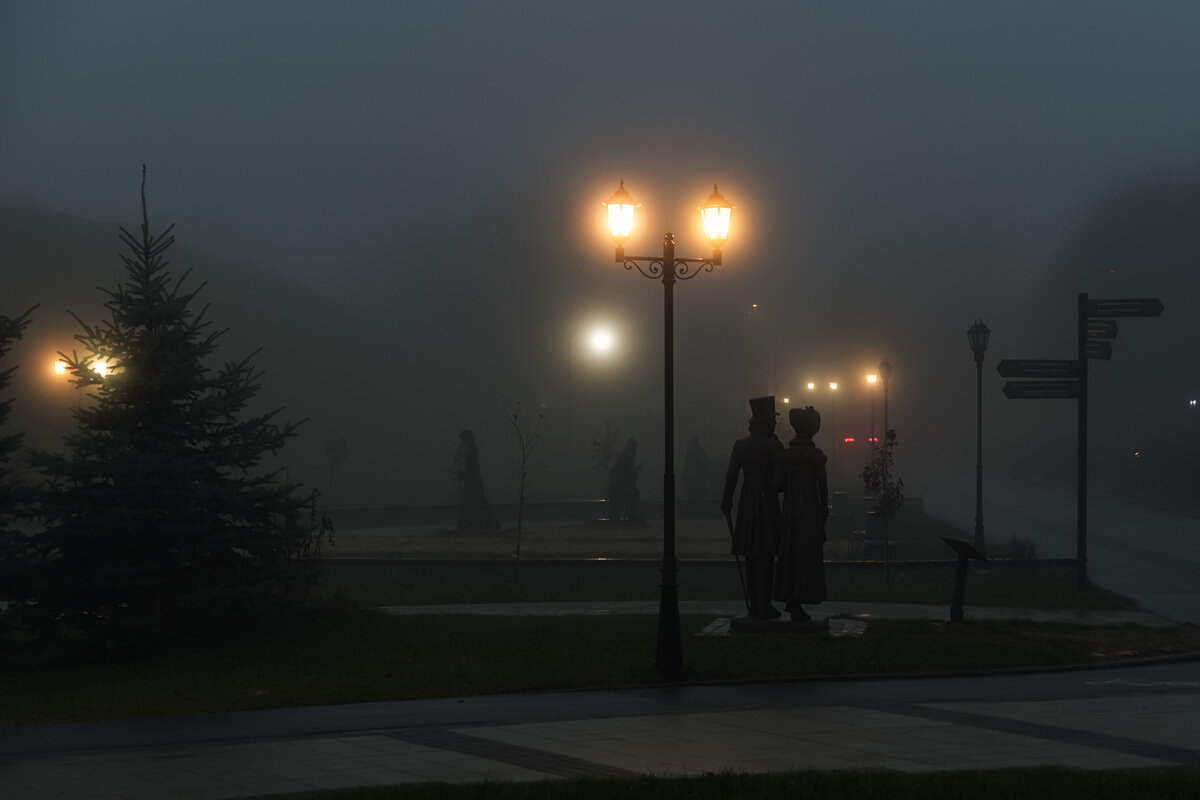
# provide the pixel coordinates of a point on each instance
(1131, 717)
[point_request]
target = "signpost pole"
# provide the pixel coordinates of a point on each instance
(1093, 329)
(1081, 435)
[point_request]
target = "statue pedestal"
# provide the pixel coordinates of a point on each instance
(783, 625)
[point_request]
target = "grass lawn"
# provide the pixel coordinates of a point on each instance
(1046, 783)
(1022, 585)
(353, 657)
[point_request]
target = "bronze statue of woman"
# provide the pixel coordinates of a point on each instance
(800, 475)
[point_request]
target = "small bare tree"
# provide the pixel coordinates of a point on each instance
(879, 479)
(527, 430)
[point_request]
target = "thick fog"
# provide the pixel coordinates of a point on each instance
(401, 203)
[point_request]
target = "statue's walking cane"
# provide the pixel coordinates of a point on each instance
(738, 559)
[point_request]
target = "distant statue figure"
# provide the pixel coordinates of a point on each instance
(695, 470)
(623, 493)
(474, 513)
(756, 530)
(800, 475)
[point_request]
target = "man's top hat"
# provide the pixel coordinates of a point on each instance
(762, 409)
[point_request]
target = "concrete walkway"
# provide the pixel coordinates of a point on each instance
(1132, 717)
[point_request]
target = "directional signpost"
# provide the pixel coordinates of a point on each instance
(1138, 307)
(1068, 379)
(1041, 390)
(1102, 329)
(1037, 368)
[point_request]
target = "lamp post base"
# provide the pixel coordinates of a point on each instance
(669, 652)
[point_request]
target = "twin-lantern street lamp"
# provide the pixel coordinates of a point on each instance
(669, 268)
(977, 338)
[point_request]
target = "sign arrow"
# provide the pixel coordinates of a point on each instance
(1099, 349)
(1101, 329)
(1038, 368)
(1134, 307)
(1041, 390)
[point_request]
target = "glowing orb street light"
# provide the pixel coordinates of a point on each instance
(600, 343)
(601, 340)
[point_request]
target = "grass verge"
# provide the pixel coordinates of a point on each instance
(1043, 783)
(363, 656)
(1023, 585)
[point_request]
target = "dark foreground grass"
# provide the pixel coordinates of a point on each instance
(1043, 783)
(355, 657)
(1022, 585)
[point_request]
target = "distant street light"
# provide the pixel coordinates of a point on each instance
(977, 338)
(714, 214)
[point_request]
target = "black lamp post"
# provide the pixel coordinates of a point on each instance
(885, 372)
(833, 428)
(977, 337)
(668, 268)
(871, 380)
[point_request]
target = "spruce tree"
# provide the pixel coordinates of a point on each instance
(160, 512)
(15, 494)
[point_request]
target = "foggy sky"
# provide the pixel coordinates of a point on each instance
(289, 132)
(899, 169)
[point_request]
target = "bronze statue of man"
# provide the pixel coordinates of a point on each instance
(757, 527)
(800, 475)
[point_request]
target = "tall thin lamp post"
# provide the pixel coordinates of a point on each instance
(568, 450)
(599, 343)
(885, 372)
(669, 268)
(872, 379)
(977, 338)
(833, 425)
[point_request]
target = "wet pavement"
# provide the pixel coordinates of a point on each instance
(1112, 718)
